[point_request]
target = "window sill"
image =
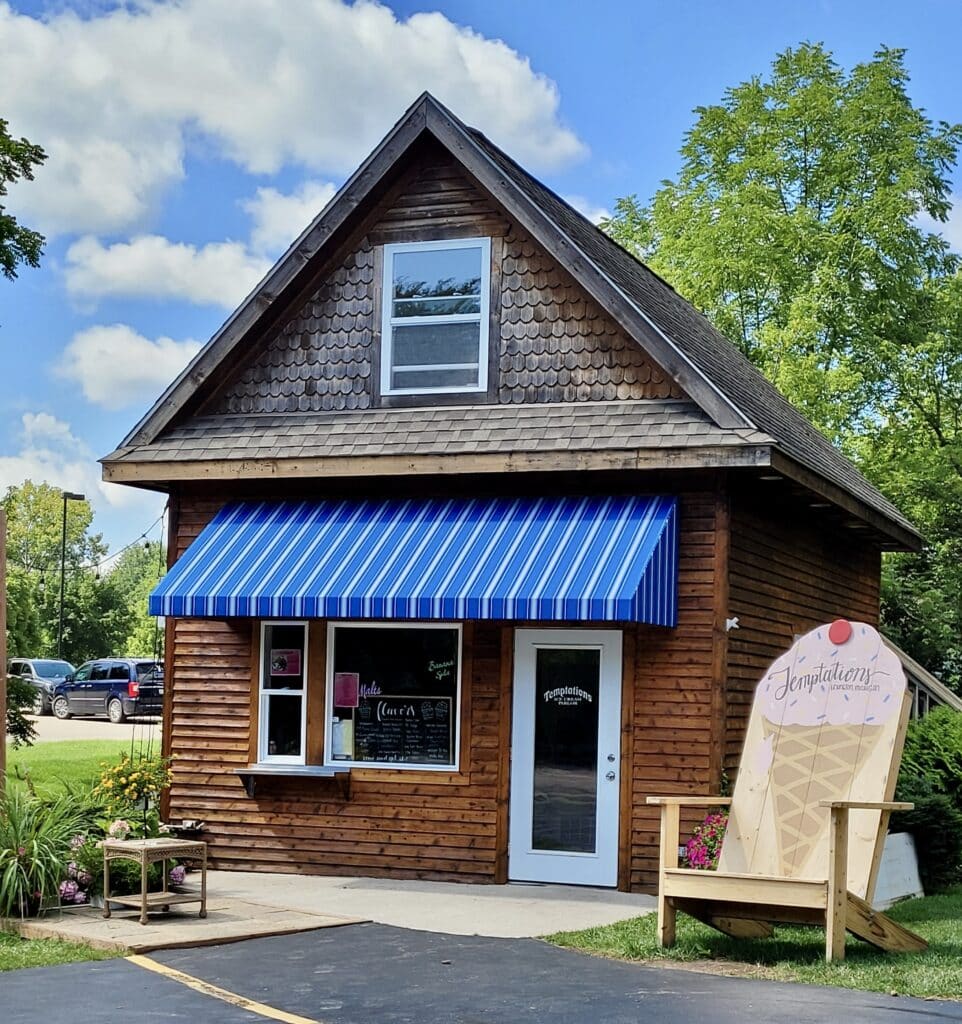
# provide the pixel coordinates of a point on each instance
(252, 772)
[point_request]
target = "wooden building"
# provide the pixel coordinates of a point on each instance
(480, 535)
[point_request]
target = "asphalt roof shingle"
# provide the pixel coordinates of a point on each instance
(762, 416)
(587, 426)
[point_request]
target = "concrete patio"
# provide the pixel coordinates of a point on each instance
(243, 905)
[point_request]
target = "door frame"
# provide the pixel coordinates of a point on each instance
(523, 864)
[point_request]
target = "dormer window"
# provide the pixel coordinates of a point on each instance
(435, 320)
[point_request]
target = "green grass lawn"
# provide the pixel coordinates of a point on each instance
(74, 762)
(16, 952)
(796, 954)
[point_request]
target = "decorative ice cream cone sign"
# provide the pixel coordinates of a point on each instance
(825, 718)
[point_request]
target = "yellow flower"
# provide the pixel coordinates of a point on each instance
(107, 783)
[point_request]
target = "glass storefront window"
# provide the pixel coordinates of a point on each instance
(394, 695)
(283, 691)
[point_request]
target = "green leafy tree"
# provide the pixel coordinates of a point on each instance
(794, 224)
(105, 609)
(18, 244)
(137, 571)
(34, 536)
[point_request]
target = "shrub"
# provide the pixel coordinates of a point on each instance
(132, 785)
(20, 699)
(931, 778)
(933, 751)
(936, 825)
(86, 865)
(35, 835)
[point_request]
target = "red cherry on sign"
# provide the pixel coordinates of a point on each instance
(840, 631)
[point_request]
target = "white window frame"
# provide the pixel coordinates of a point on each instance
(389, 321)
(264, 697)
(400, 766)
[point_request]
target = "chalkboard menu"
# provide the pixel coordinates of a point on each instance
(404, 730)
(394, 694)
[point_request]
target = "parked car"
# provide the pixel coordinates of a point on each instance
(43, 674)
(115, 687)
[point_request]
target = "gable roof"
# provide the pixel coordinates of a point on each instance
(708, 367)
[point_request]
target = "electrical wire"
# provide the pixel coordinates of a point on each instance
(93, 565)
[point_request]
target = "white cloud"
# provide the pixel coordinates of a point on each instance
(49, 452)
(117, 367)
(279, 218)
(586, 207)
(219, 273)
(117, 98)
(41, 428)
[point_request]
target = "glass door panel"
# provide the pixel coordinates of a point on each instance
(565, 797)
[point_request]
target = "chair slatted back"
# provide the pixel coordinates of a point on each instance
(827, 723)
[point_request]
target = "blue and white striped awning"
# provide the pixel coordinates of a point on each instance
(609, 559)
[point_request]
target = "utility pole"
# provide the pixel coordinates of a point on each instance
(67, 496)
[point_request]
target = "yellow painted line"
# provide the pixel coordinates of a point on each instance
(218, 993)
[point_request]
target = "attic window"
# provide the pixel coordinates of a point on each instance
(435, 317)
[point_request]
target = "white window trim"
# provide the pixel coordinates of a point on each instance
(329, 699)
(263, 757)
(388, 322)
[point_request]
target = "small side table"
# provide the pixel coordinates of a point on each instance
(147, 852)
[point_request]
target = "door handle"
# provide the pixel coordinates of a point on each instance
(610, 776)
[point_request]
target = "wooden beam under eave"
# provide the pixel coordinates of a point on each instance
(158, 472)
(905, 538)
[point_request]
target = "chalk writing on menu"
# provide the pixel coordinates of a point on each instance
(404, 729)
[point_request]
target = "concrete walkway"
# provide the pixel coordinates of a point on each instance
(499, 911)
(243, 905)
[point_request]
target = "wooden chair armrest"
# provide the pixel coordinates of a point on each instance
(690, 801)
(867, 805)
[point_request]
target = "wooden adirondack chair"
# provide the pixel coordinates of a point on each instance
(811, 803)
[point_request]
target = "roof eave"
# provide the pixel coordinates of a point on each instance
(895, 528)
(123, 465)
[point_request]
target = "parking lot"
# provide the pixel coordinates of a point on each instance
(373, 974)
(50, 729)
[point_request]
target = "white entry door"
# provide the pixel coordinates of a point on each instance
(565, 756)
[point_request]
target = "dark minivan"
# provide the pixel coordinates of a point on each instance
(115, 687)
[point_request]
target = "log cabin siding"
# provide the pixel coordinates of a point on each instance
(788, 573)
(669, 738)
(411, 824)
(551, 343)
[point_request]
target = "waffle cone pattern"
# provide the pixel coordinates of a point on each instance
(812, 763)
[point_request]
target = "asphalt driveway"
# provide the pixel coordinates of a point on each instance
(375, 974)
(51, 730)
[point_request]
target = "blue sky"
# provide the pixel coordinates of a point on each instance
(189, 143)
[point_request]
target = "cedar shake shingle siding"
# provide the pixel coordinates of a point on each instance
(434, 178)
(554, 343)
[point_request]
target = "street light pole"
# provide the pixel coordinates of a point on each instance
(67, 496)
